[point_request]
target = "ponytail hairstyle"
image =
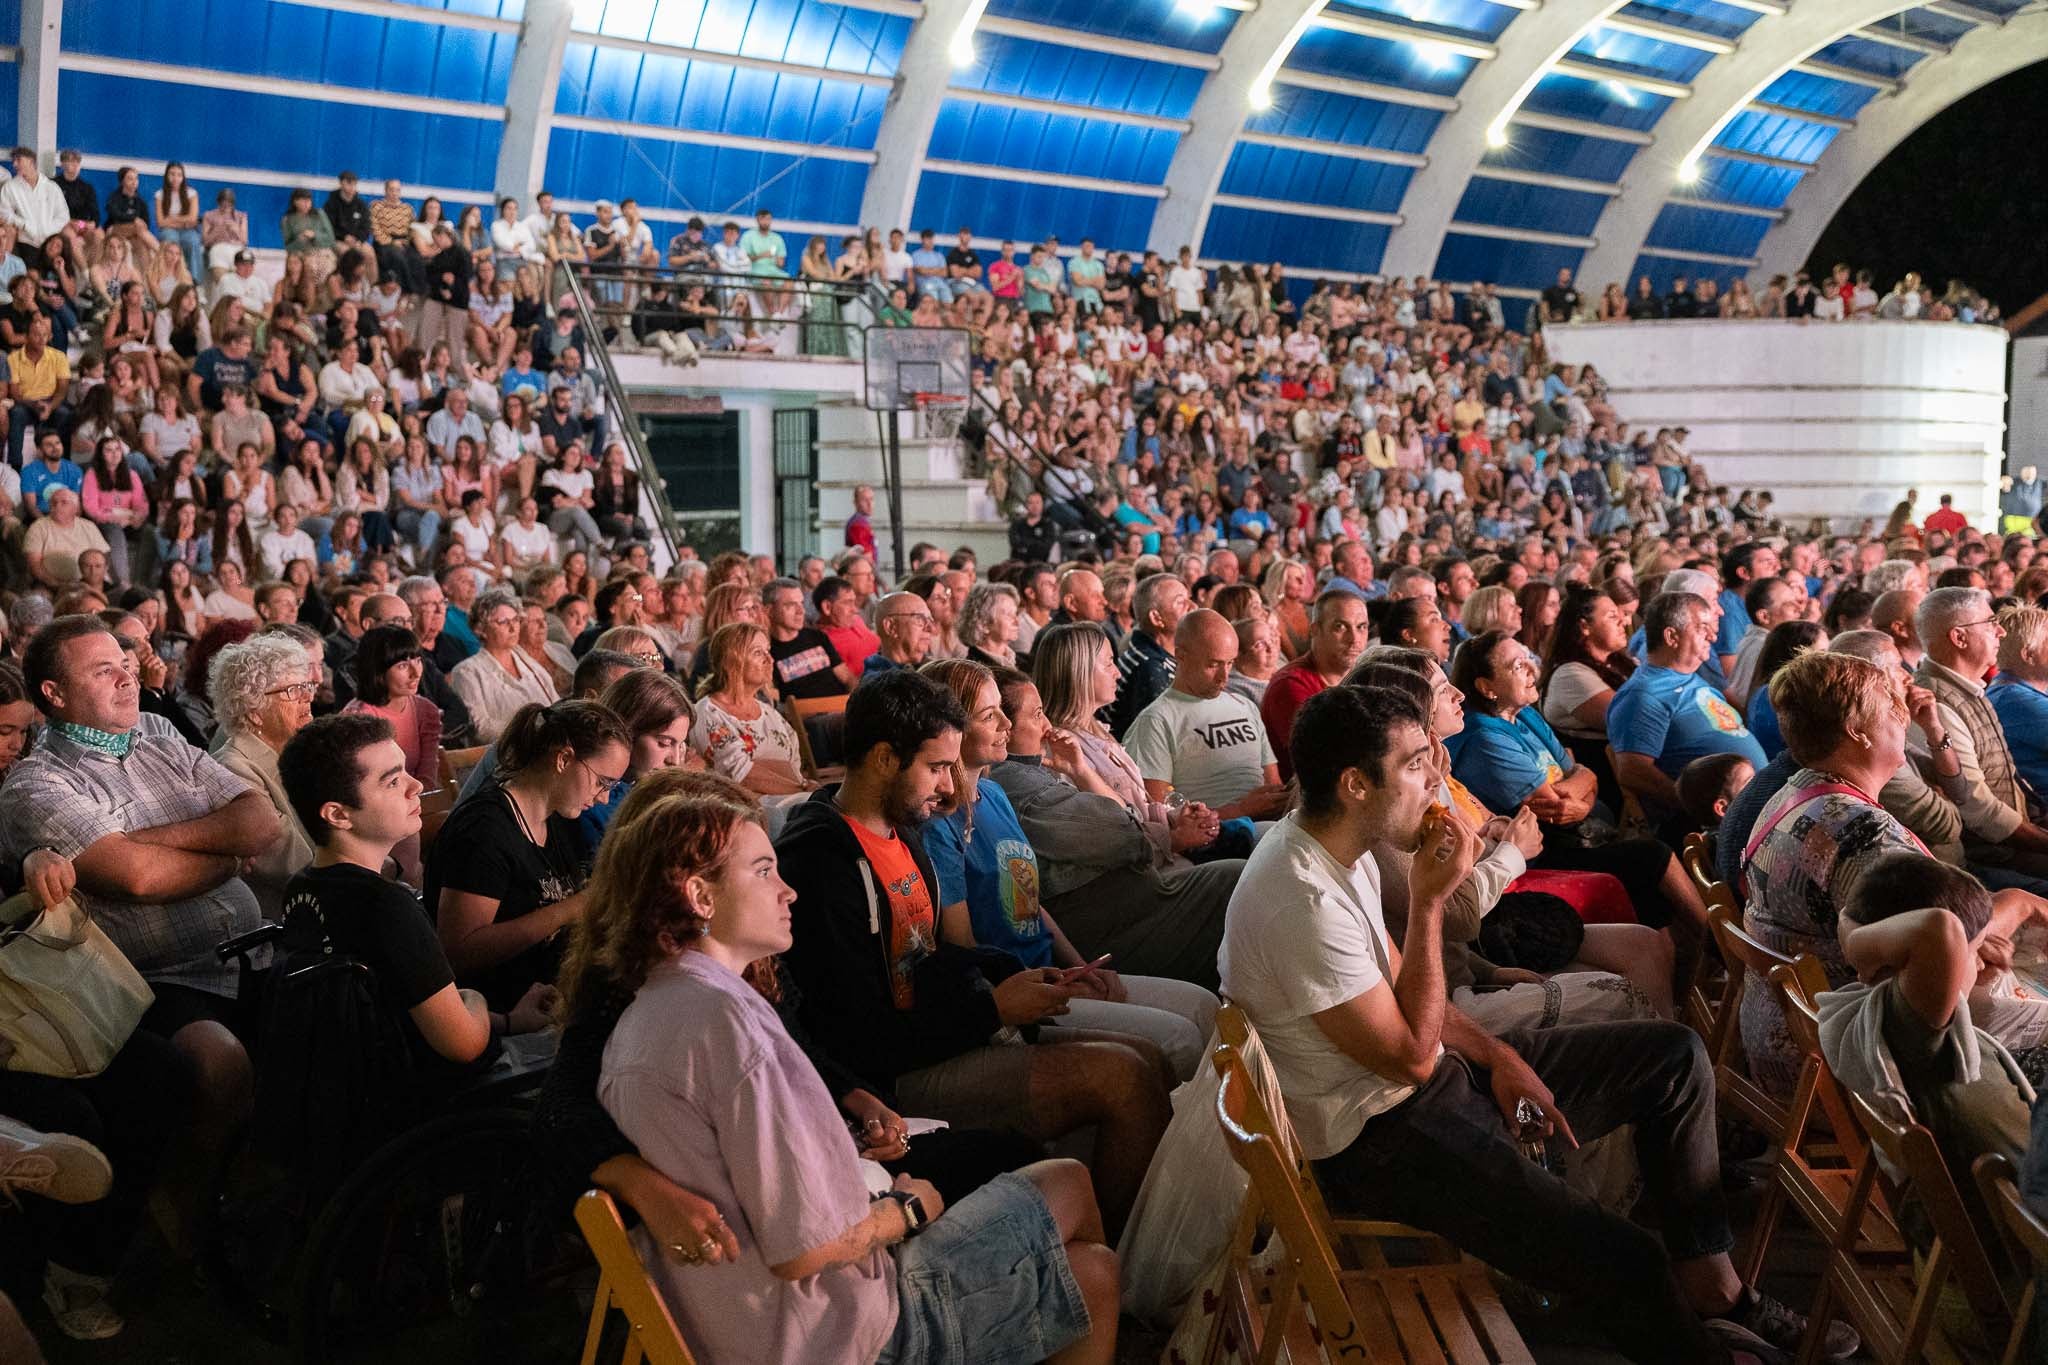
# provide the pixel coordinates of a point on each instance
(675, 824)
(537, 733)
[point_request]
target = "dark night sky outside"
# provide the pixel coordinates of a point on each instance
(1964, 197)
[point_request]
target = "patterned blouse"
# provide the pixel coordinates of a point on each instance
(1795, 885)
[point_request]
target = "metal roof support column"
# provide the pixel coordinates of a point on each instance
(530, 99)
(42, 33)
(937, 38)
(1252, 54)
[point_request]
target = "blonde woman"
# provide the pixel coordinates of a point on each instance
(742, 737)
(1074, 667)
(1288, 589)
(1494, 608)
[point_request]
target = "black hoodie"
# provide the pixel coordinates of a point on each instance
(842, 925)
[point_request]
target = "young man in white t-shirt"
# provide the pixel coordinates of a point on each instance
(1414, 1113)
(1185, 282)
(896, 262)
(1206, 743)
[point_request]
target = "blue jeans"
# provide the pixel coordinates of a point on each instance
(421, 525)
(987, 1284)
(188, 242)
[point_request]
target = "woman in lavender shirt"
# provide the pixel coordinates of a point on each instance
(704, 1080)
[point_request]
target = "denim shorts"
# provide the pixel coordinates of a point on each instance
(986, 1284)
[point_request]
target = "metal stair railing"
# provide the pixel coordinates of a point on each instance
(655, 507)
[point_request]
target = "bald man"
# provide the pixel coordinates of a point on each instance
(1202, 741)
(904, 622)
(1081, 599)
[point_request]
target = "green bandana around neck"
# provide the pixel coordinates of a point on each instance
(117, 745)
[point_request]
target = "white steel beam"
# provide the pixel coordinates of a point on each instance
(1687, 131)
(1095, 42)
(42, 45)
(732, 59)
(281, 180)
(661, 132)
(1087, 111)
(915, 97)
(208, 79)
(1578, 127)
(1835, 71)
(1548, 180)
(413, 14)
(1054, 179)
(1350, 151)
(530, 98)
(1514, 234)
(1365, 90)
(1301, 210)
(1607, 75)
(1723, 206)
(1806, 115)
(1910, 42)
(1669, 33)
(1710, 257)
(1389, 31)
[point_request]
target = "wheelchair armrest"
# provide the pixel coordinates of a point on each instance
(241, 945)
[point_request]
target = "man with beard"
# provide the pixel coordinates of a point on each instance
(924, 1025)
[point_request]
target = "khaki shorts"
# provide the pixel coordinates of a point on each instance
(988, 1087)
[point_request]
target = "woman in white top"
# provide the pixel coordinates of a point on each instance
(516, 445)
(490, 316)
(742, 736)
(168, 431)
(232, 599)
(576, 489)
(499, 678)
(477, 530)
(253, 485)
(524, 545)
(1588, 659)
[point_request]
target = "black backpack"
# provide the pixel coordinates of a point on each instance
(336, 1069)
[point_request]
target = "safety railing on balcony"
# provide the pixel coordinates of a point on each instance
(655, 508)
(730, 314)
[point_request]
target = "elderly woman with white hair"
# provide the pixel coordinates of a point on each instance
(262, 691)
(988, 624)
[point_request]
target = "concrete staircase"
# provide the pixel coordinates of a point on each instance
(941, 502)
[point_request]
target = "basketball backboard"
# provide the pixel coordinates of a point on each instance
(903, 362)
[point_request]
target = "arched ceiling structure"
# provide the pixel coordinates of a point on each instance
(1494, 140)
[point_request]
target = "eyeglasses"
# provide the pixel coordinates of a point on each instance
(503, 622)
(607, 787)
(1972, 625)
(299, 691)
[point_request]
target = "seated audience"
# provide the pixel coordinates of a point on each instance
(1411, 1112)
(907, 630)
(263, 690)
(1201, 740)
(1258, 659)
(2019, 694)
(505, 874)
(924, 1022)
(1667, 714)
(1336, 635)
(740, 735)
(1783, 642)
(988, 880)
(988, 625)
(681, 911)
(499, 679)
(806, 664)
(1145, 664)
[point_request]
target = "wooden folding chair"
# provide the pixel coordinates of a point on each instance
(1700, 1009)
(1744, 957)
(1362, 1239)
(623, 1283)
(458, 764)
(1430, 1312)
(1824, 1159)
(1894, 1302)
(434, 808)
(2026, 1236)
(800, 712)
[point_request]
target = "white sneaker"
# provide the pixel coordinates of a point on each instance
(80, 1304)
(57, 1166)
(666, 344)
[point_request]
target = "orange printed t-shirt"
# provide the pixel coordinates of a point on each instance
(914, 930)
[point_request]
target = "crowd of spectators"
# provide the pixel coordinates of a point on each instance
(1844, 294)
(1344, 643)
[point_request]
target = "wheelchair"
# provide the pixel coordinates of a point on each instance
(436, 1245)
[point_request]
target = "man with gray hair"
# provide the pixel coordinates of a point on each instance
(1145, 664)
(904, 624)
(1892, 613)
(1704, 586)
(1961, 635)
(499, 678)
(1667, 714)
(1895, 573)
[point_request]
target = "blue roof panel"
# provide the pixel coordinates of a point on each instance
(1879, 59)
(1414, 66)
(1600, 101)
(1165, 22)
(1662, 270)
(992, 135)
(1118, 222)
(713, 181)
(1643, 56)
(1791, 139)
(1701, 16)
(1504, 203)
(711, 97)
(1018, 66)
(1487, 260)
(1482, 18)
(1818, 94)
(1309, 178)
(1312, 244)
(1745, 182)
(1331, 117)
(1688, 227)
(1541, 149)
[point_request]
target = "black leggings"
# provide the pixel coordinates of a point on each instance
(1638, 864)
(127, 1111)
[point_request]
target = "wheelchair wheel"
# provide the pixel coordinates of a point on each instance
(437, 1250)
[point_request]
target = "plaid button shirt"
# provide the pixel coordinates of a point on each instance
(67, 796)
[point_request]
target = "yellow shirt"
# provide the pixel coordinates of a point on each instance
(39, 380)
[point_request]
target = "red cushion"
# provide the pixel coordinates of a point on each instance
(1599, 897)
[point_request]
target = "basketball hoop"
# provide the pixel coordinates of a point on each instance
(939, 415)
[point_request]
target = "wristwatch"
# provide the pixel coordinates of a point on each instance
(914, 1216)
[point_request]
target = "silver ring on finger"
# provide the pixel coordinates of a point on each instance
(708, 1249)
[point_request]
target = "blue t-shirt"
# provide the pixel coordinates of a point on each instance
(1734, 623)
(1763, 722)
(996, 873)
(1128, 516)
(1675, 718)
(1504, 762)
(1711, 670)
(36, 477)
(1250, 525)
(2023, 715)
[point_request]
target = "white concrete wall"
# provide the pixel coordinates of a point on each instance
(1837, 420)
(2027, 442)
